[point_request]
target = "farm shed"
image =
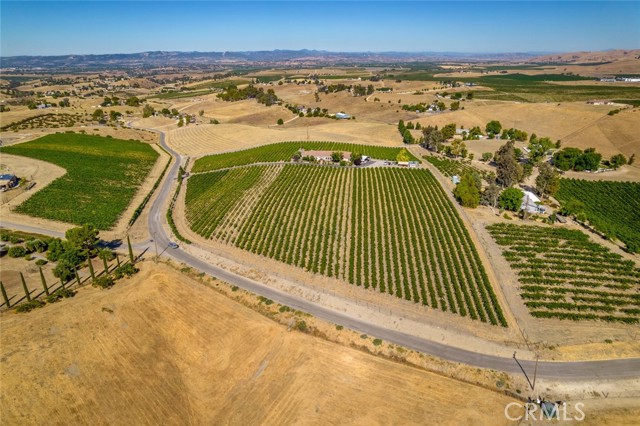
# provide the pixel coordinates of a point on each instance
(8, 181)
(530, 203)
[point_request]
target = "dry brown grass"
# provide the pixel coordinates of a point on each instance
(161, 348)
(210, 138)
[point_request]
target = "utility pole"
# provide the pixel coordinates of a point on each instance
(524, 372)
(155, 243)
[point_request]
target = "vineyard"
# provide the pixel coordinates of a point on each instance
(450, 167)
(388, 229)
(613, 208)
(564, 275)
(283, 151)
(103, 175)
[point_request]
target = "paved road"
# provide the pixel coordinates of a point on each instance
(583, 370)
(609, 369)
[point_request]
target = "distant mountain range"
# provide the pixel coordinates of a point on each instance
(275, 57)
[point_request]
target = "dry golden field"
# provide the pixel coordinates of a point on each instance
(210, 138)
(163, 349)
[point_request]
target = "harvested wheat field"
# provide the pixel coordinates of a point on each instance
(212, 138)
(163, 349)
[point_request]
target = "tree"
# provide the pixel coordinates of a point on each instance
(486, 156)
(455, 106)
(201, 112)
(85, 238)
(548, 180)
(407, 137)
(458, 148)
(588, 160)
(449, 130)
(98, 115)
(490, 196)
(631, 159)
(433, 138)
(64, 103)
(64, 270)
(148, 111)
(493, 127)
(356, 159)
(467, 191)
(113, 115)
(336, 156)
(403, 156)
(538, 148)
(133, 101)
(56, 249)
(511, 199)
(180, 122)
(617, 160)
(508, 170)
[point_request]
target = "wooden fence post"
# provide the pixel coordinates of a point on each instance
(106, 265)
(44, 282)
(4, 295)
(24, 286)
(75, 270)
(118, 259)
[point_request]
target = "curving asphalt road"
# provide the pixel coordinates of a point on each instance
(574, 370)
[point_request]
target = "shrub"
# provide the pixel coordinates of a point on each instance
(41, 262)
(36, 245)
(64, 270)
(104, 281)
(377, 342)
(17, 251)
(339, 327)
(511, 199)
(60, 294)
(14, 239)
(4, 236)
(127, 270)
(301, 326)
(29, 306)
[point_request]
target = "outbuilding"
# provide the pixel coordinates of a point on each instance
(531, 203)
(8, 181)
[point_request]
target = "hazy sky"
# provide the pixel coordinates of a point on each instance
(54, 27)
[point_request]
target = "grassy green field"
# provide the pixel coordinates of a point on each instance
(283, 151)
(564, 275)
(613, 208)
(390, 230)
(103, 175)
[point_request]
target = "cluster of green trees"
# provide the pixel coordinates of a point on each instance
(575, 159)
(232, 93)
